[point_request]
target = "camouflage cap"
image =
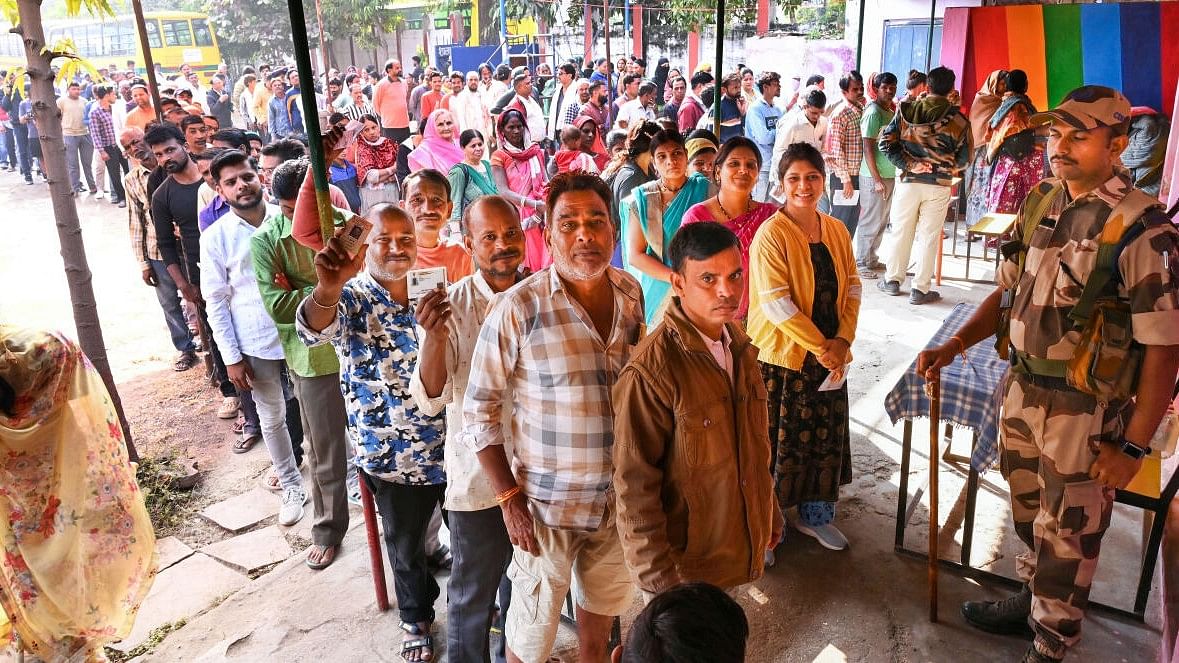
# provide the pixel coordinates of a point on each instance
(1088, 107)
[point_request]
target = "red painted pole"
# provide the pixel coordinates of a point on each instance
(764, 11)
(636, 31)
(589, 35)
(375, 557)
(693, 52)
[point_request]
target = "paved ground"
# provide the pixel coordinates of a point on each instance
(864, 604)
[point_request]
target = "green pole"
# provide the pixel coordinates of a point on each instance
(719, 67)
(860, 37)
(311, 117)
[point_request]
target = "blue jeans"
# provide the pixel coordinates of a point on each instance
(170, 303)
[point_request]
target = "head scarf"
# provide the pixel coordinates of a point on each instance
(986, 102)
(435, 151)
(695, 145)
(77, 551)
(601, 157)
(381, 153)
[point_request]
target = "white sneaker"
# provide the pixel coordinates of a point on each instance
(98, 194)
(828, 535)
(291, 511)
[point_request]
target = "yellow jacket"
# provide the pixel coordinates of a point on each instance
(782, 288)
(259, 109)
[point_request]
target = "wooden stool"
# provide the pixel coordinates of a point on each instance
(991, 225)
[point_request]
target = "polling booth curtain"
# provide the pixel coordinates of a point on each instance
(1064, 46)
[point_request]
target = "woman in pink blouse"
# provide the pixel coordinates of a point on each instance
(737, 165)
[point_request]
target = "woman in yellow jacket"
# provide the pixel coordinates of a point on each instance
(804, 302)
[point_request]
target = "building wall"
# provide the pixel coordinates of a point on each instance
(876, 12)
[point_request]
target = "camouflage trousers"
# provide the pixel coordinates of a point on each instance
(1048, 442)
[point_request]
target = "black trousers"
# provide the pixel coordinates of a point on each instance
(405, 512)
(116, 168)
(21, 133)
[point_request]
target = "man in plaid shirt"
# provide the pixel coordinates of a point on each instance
(143, 246)
(102, 134)
(551, 348)
(846, 151)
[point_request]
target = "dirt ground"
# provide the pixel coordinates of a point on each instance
(866, 604)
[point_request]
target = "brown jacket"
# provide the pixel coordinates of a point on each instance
(691, 460)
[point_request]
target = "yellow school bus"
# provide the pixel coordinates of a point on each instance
(175, 38)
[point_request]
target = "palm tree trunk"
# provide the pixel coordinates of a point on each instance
(69, 232)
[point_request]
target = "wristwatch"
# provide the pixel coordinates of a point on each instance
(1133, 450)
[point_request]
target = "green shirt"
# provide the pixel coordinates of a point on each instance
(275, 252)
(876, 118)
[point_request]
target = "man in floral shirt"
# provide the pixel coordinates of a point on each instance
(367, 317)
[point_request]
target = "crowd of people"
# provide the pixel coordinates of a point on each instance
(636, 375)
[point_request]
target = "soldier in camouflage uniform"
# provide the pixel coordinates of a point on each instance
(1063, 452)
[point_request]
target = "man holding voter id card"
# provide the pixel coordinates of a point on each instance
(367, 316)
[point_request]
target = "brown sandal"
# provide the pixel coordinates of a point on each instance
(329, 556)
(185, 361)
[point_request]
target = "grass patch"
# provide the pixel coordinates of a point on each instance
(153, 640)
(167, 506)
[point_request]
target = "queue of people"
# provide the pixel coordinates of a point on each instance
(635, 376)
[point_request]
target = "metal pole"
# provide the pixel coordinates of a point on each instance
(929, 44)
(718, 74)
(148, 61)
(860, 37)
(376, 559)
(503, 31)
(609, 62)
(626, 24)
(311, 117)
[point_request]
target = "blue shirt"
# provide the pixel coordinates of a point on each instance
(761, 127)
(276, 116)
(26, 108)
(729, 111)
(376, 341)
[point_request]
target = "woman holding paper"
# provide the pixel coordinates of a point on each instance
(804, 302)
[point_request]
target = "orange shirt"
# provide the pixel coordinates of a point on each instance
(140, 117)
(451, 256)
(430, 101)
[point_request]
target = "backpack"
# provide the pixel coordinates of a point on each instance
(1106, 360)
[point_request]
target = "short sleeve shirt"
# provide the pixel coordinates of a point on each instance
(1063, 252)
(876, 118)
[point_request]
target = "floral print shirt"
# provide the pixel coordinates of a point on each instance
(376, 341)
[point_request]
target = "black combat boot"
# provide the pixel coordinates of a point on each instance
(1033, 655)
(1006, 617)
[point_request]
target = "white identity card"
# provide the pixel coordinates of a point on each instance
(840, 200)
(356, 230)
(422, 281)
(835, 380)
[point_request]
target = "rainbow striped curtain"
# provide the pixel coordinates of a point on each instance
(1064, 46)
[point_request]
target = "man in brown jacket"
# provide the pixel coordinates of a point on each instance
(691, 441)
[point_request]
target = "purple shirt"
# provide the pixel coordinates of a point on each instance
(216, 209)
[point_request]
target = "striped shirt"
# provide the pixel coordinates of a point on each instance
(143, 231)
(539, 353)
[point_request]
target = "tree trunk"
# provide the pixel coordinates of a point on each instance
(352, 49)
(69, 231)
(488, 27)
(397, 36)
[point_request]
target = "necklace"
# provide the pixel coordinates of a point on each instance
(666, 189)
(729, 217)
(814, 237)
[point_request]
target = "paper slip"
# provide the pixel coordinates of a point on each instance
(356, 230)
(840, 200)
(835, 380)
(422, 281)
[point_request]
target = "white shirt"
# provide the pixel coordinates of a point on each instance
(557, 110)
(536, 124)
(633, 111)
(467, 487)
(720, 350)
(796, 128)
(467, 108)
(240, 323)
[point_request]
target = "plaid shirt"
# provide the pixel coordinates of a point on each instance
(143, 231)
(847, 145)
(538, 353)
(102, 127)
